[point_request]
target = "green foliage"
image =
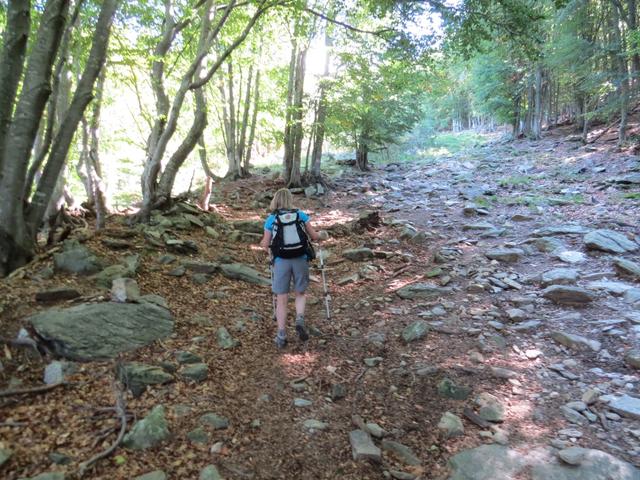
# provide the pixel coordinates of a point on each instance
(378, 99)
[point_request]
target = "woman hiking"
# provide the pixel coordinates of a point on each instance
(287, 231)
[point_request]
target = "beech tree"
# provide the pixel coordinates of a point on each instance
(23, 101)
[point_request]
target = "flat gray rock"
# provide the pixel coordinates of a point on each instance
(487, 462)
(495, 462)
(422, 291)
(547, 244)
(415, 331)
(48, 476)
(561, 230)
(210, 472)
(627, 267)
(148, 432)
(559, 276)
(98, 331)
(610, 287)
(576, 342)
(451, 425)
(214, 420)
(76, 258)
(595, 465)
(401, 452)
(626, 406)
(491, 409)
(609, 241)
(138, 376)
(5, 455)
(567, 295)
(358, 254)
(363, 448)
(238, 271)
(197, 372)
(573, 455)
(155, 475)
(632, 358)
(509, 255)
(448, 389)
(225, 340)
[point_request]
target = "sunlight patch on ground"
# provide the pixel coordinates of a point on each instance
(298, 364)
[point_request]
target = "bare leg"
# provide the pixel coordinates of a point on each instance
(281, 311)
(301, 302)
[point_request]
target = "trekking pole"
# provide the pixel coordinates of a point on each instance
(324, 285)
(273, 295)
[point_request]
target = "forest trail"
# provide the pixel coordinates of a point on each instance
(487, 235)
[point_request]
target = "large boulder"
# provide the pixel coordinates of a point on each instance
(609, 241)
(96, 331)
(495, 462)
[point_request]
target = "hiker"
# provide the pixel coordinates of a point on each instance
(286, 233)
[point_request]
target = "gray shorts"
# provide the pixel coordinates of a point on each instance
(284, 269)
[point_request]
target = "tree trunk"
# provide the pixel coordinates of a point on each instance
(254, 121)
(14, 48)
(316, 156)
(16, 242)
(620, 65)
(229, 114)
(293, 177)
(81, 98)
(244, 169)
(94, 167)
(208, 183)
(536, 130)
(288, 122)
(362, 156)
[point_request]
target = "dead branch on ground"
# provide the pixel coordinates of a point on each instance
(29, 391)
(121, 410)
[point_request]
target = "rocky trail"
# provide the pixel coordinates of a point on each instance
(485, 326)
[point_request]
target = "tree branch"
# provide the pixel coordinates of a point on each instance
(346, 25)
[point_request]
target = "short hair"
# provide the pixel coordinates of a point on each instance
(282, 200)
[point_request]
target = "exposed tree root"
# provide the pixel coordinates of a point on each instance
(121, 410)
(30, 391)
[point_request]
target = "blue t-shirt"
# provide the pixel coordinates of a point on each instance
(271, 219)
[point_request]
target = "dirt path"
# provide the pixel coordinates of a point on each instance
(490, 314)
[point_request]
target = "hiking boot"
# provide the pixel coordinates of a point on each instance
(302, 332)
(281, 342)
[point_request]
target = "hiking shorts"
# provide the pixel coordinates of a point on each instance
(286, 269)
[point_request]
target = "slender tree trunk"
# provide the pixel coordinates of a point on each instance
(288, 122)
(620, 65)
(14, 43)
(229, 113)
(254, 121)
(316, 156)
(244, 169)
(536, 130)
(94, 166)
(208, 183)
